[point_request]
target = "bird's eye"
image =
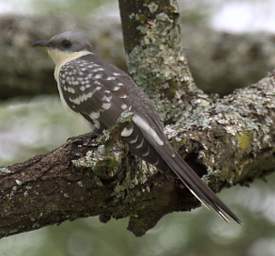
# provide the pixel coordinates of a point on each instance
(66, 43)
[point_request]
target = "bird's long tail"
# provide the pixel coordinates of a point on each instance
(164, 156)
(197, 187)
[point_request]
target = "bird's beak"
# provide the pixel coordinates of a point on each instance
(40, 43)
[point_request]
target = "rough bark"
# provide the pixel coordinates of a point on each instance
(228, 140)
(219, 61)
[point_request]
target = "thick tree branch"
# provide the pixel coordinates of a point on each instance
(229, 141)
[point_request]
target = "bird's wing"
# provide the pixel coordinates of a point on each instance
(147, 119)
(94, 92)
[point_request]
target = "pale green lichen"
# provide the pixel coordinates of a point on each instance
(105, 150)
(108, 167)
(125, 118)
(153, 7)
(90, 159)
(137, 178)
(102, 162)
(155, 59)
(132, 16)
(158, 59)
(105, 160)
(227, 134)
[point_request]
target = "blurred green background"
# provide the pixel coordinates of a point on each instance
(35, 125)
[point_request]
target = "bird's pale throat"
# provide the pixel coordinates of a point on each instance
(61, 57)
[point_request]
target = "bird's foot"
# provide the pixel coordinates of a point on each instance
(84, 137)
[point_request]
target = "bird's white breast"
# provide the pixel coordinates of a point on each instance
(60, 58)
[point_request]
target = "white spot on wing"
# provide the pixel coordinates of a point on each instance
(140, 144)
(84, 97)
(110, 78)
(106, 105)
(116, 74)
(140, 122)
(146, 153)
(96, 124)
(133, 141)
(98, 69)
(71, 90)
(95, 115)
(97, 83)
(156, 162)
(98, 76)
(126, 132)
(116, 88)
(124, 106)
(107, 98)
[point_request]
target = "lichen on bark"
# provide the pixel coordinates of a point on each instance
(242, 125)
(228, 140)
(155, 55)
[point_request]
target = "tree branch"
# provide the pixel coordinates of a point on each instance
(229, 141)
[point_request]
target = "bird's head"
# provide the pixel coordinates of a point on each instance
(66, 45)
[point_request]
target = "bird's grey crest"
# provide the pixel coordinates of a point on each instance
(70, 41)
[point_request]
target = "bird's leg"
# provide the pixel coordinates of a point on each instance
(85, 137)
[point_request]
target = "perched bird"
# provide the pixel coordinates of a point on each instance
(101, 92)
